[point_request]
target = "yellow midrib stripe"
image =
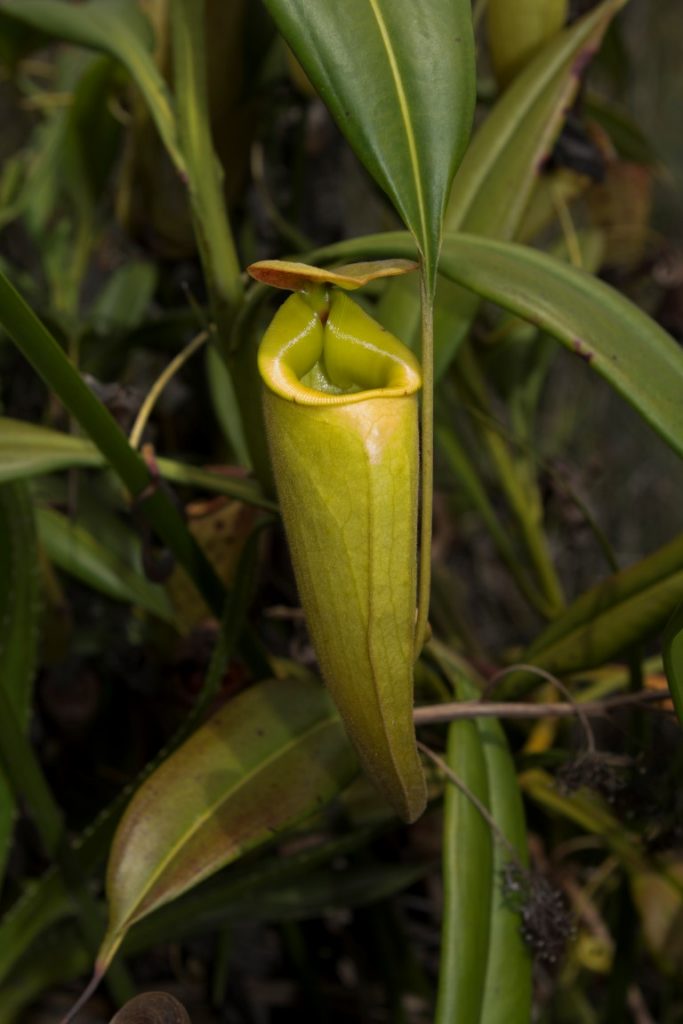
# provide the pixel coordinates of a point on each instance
(166, 861)
(405, 112)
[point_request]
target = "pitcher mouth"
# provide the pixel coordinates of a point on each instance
(323, 349)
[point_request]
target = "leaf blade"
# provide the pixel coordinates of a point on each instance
(27, 449)
(414, 74)
(78, 552)
(264, 761)
(467, 877)
(495, 179)
(624, 345)
(497, 174)
(508, 984)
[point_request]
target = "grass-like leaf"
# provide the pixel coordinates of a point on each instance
(28, 450)
(467, 873)
(508, 983)
(49, 360)
(608, 619)
(78, 552)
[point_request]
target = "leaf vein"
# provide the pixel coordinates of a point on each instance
(405, 114)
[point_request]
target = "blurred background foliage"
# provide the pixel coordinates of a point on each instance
(341, 920)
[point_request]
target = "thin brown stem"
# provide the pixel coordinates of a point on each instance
(473, 799)
(562, 687)
(433, 714)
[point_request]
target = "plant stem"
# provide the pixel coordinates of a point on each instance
(452, 712)
(204, 174)
(426, 462)
(50, 362)
(455, 779)
(160, 383)
(215, 242)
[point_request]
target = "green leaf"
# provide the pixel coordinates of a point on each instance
(597, 324)
(203, 171)
(515, 33)
(116, 27)
(673, 659)
(75, 550)
(217, 483)
(494, 182)
(28, 450)
(92, 133)
(467, 873)
(508, 984)
(19, 621)
(47, 901)
(266, 760)
(613, 616)
(485, 971)
(495, 179)
(399, 79)
(49, 360)
(225, 406)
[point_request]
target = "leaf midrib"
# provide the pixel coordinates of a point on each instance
(405, 116)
